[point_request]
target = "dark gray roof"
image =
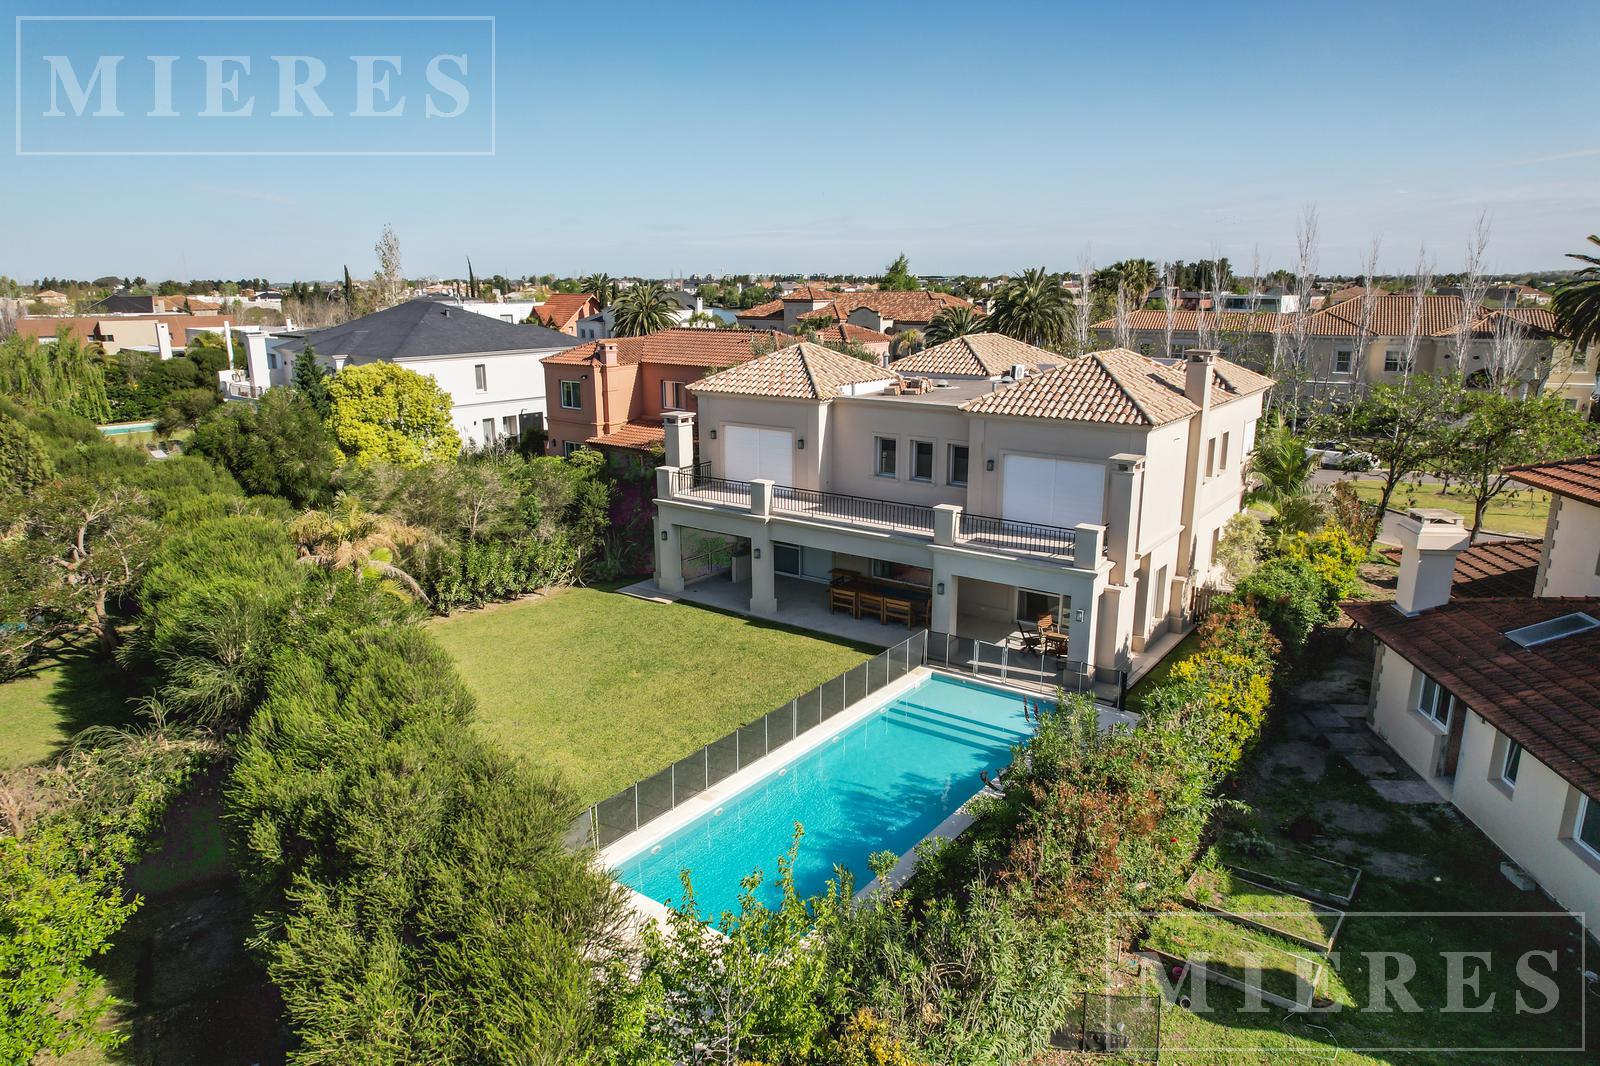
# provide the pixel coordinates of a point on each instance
(422, 328)
(119, 304)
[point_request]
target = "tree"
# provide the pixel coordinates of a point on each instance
(904, 343)
(277, 446)
(952, 322)
(385, 413)
(1280, 474)
(311, 381)
(1035, 309)
(1401, 425)
(1577, 301)
(897, 277)
(644, 308)
(389, 281)
(1493, 431)
(348, 537)
(24, 463)
(63, 375)
(601, 286)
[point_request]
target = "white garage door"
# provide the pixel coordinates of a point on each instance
(750, 452)
(1052, 492)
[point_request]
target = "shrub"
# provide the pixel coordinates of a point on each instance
(275, 447)
(1291, 597)
(1335, 556)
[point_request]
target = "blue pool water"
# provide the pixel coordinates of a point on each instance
(881, 785)
(123, 428)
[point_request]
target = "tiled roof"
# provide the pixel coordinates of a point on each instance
(561, 308)
(1493, 569)
(682, 347)
(1115, 386)
(1546, 698)
(1190, 321)
(918, 306)
(801, 371)
(640, 435)
(1391, 317)
(978, 355)
(850, 333)
(1240, 380)
(1576, 479)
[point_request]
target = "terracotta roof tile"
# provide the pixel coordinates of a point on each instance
(978, 355)
(1190, 321)
(683, 347)
(641, 435)
(1546, 698)
(1576, 479)
(914, 307)
(1391, 317)
(1493, 569)
(801, 371)
(562, 309)
(1115, 386)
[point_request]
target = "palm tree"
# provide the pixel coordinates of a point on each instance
(953, 322)
(1577, 302)
(645, 308)
(1280, 475)
(601, 286)
(1034, 309)
(703, 320)
(348, 537)
(905, 343)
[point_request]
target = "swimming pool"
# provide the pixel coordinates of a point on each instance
(880, 784)
(122, 429)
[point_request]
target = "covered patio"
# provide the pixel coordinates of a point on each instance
(801, 603)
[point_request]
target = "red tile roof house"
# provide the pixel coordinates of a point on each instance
(611, 394)
(1494, 698)
(1000, 481)
(563, 310)
(884, 312)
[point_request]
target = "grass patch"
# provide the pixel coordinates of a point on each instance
(1282, 912)
(1187, 647)
(1223, 947)
(1292, 869)
(609, 689)
(1522, 512)
(41, 712)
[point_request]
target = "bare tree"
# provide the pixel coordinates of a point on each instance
(1422, 281)
(1365, 312)
(1293, 357)
(1169, 298)
(1085, 311)
(388, 282)
(1509, 350)
(1473, 287)
(1124, 328)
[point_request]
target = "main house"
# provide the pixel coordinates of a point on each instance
(611, 394)
(1343, 355)
(1006, 485)
(490, 368)
(1486, 678)
(887, 313)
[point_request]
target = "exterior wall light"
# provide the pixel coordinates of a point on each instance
(756, 553)
(939, 588)
(988, 464)
(664, 536)
(713, 434)
(802, 444)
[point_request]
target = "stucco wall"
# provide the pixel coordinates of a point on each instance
(1572, 553)
(804, 418)
(1414, 738)
(515, 385)
(853, 425)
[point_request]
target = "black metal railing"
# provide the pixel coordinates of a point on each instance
(1015, 536)
(856, 510)
(691, 484)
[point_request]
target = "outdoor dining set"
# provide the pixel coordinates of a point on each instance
(886, 601)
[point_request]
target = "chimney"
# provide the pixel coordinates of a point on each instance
(164, 340)
(1430, 540)
(608, 353)
(1197, 374)
(678, 428)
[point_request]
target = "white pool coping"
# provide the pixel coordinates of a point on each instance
(613, 855)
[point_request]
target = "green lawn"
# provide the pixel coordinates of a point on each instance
(1522, 512)
(41, 712)
(609, 689)
(1188, 646)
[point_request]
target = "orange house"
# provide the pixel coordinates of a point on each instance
(563, 310)
(610, 394)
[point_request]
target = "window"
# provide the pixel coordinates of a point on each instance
(532, 423)
(480, 377)
(921, 460)
(957, 474)
(1216, 542)
(1211, 456)
(1513, 760)
(1587, 829)
(1032, 606)
(272, 360)
(508, 425)
(672, 398)
(571, 395)
(786, 558)
(488, 431)
(887, 454)
(901, 572)
(1434, 702)
(1342, 360)
(1391, 361)
(569, 447)
(1222, 460)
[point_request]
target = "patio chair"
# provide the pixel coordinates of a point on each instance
(897, 611)
(870, 604)
(1033, 640)
(841, 599)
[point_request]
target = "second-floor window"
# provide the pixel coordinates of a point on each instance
(957, 472)
(1433, 703)
(1211, 456)
(672, 396)
(1512, 763)
(571, 396)
(1222, 459)
(1342, 360)
(1391, 361)
(888, 454)
(922, 460)
(1586, 830)
(480, 377)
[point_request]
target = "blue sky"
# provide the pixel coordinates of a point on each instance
(732, 137)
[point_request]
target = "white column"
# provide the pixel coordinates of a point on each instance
(763, 579)
(945, 608)
(946, 520)
(669, 557)
(1082, 625)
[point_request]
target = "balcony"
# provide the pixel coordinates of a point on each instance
(695, 484)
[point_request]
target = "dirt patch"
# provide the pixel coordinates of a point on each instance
(1353, 818)
(1296, 757)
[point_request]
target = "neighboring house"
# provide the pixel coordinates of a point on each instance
(602, 324)
(1274, 300)
(563, 310)
(1505, 294)
(885, 312)
(1094, 491)
(490, 369)
(1546, 363)
(989, 356)
(611, 394)
(50, 298)
(1486, 680)
(118, 304)
(116, 333)
(513, 311)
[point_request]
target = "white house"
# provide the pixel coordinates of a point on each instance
(1494, 699)
(490, 368)
(599, 326)
(1090, 490)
